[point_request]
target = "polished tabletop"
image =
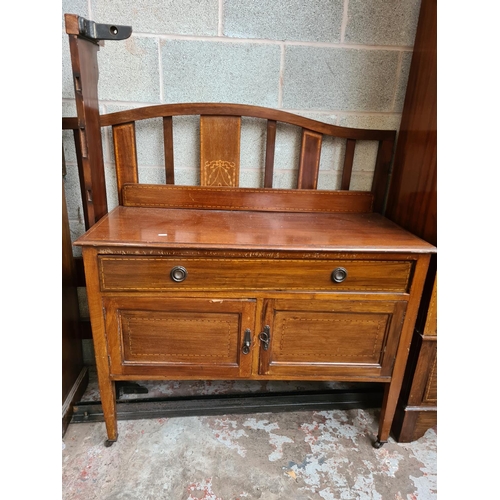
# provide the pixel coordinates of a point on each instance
(225, 229)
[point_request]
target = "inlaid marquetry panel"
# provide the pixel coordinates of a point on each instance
(430, 395)
(329, 337)
(178, 337)
(220, 150)
(170, 337)
(219, 173)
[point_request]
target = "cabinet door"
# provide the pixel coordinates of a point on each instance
(179, 338)
(330, 338)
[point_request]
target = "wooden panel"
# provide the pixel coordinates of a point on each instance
(322, 336)
(425, 420)
(430, 328)
(270, 148)
(69, 123)
(125, 156)
(310, 153)
(348, 161)
(220, 150)
(168, 147)
(171, 337)
(268, 200)
(72, 361)
(412, 423)
(84, 172)
(423, 385)
(119, 273)
(85, 78)
(381, 175)
(412, 200)
(328, 337)
(85, 178)
(178, 335)
(74, 373)
(430, 395)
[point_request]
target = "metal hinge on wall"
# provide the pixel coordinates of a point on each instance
(96, 31)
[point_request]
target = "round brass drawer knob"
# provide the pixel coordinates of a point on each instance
(178, 273)
(339, 274)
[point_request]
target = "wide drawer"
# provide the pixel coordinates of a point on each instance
(148, 273)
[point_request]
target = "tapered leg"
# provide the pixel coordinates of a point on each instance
(108, 401)
(107, 389)
(106, 385)
(387, 412)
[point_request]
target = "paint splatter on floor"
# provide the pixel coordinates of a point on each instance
(273, 456)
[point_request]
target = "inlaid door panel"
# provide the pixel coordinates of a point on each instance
(330, 337)
(178, 337)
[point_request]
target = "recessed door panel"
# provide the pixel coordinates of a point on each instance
(326, 337)
(174, 337)
(181, 338)
(329, 337)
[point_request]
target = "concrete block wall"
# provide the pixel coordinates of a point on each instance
(345, 62)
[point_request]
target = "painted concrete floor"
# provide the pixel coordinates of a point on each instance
(305, 455)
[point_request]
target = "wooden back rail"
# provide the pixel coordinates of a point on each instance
(220, 127)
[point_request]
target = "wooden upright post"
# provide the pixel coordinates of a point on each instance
(85, 37)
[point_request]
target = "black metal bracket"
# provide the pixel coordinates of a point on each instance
(95, 31)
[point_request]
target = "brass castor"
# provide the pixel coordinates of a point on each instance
(109, 442)
(378, 444)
